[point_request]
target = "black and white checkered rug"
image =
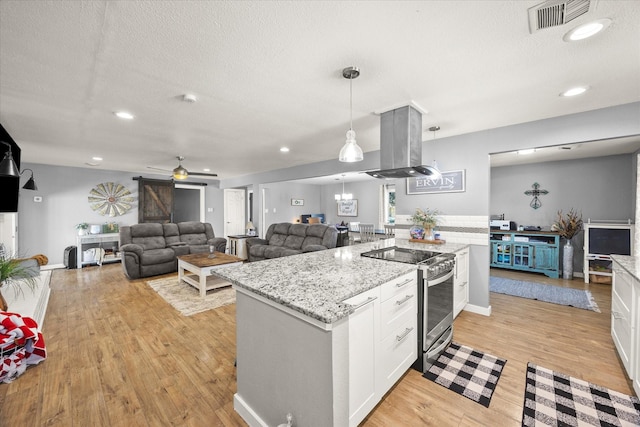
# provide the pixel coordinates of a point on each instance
(555, 399)
(468, 372)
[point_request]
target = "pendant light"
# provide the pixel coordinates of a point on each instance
(8, 166)
(434, 166)
(180, 172)
(343, 196)
(351, 152)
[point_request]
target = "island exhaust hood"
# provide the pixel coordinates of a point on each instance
(401, 145)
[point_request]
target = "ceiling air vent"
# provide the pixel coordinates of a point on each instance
(557, 12)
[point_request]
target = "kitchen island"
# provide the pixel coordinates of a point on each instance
(321, 335)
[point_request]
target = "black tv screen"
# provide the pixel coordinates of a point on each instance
(607, 241)
(9, 186)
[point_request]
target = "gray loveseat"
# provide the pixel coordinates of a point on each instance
(284, 239)
(150, 249)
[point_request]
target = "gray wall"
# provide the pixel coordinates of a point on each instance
(599, 188)
(48, 227)
(279, 197)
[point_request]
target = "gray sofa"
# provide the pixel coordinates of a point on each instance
(284, 239)
(150, 249)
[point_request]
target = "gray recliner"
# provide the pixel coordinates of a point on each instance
(151, 249)
(284, 239)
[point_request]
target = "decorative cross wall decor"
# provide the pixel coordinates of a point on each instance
(535, 203)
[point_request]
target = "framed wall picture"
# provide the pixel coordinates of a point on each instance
(449, 182)
(297, 202)
(348, 207)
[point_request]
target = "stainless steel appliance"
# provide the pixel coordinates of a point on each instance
(435, 291)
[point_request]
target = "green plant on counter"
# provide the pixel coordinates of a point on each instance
(428, 218)
(82, 226)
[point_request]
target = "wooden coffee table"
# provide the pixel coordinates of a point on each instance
(202, 266)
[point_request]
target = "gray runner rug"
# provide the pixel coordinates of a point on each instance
(577, 298)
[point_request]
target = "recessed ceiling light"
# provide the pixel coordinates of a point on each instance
(206, 170)
(586, 30)
(97, 159)
(578, 90)
(284, 149)
(528, 151)
(124, 115)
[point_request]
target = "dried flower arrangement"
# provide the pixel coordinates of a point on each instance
(568, 225)
(428, 218)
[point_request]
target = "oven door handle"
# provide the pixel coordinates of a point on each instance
(445, 340)
(439, 280)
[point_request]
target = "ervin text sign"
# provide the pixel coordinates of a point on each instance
(448, 182)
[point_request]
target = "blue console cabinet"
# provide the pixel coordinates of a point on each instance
(535, 251)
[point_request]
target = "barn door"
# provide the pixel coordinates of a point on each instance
(155, 200)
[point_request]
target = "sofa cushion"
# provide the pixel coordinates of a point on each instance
(171, 233)
(294, 242)
(282, 228)
(277, 239)
(149, 236)
(279, 251)
(298, 230)
(317, 230)
(157, 256)
(311, 241)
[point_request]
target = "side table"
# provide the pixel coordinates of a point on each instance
(238, 246)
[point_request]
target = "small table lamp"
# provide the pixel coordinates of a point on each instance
(251, 230)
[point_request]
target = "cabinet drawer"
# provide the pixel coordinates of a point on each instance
(401, 284)
(398, 311)
(397, 352)
(622, 287)
(621, 332)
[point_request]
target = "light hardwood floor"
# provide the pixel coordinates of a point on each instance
(119, 355)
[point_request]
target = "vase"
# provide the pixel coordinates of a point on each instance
(417, 232)
(428, 233)
(567, 261)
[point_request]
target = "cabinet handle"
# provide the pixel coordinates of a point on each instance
(365, 302)
(404, 334)
(399, 285)
(464, 284)
(405, 299)
(616, 315)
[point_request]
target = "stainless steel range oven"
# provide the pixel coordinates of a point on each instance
(435, 291)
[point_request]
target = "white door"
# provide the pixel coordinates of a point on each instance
(8, 233)
(234, 212)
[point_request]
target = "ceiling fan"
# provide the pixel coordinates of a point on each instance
(180, 172)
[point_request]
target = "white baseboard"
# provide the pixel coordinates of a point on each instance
(485, 311)
(246, 412)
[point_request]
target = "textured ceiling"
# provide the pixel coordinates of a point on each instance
(268, 74)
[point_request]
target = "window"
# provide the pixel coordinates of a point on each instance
(388, 204)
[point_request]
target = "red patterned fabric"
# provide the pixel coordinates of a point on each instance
(20, 345)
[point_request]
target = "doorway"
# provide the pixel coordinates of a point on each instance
(188, 202)
(234, 211)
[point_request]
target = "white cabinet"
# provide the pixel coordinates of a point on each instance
(110, 242)
(383, 342)
(363, 338)
(624, 313)
(461, 282)
(398, 334)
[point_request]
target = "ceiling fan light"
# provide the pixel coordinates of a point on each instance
(180, 173)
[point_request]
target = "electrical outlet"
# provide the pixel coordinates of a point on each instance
(209, 209)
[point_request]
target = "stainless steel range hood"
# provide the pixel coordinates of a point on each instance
(401, 145)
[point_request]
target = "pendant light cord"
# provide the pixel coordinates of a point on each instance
(351, 103)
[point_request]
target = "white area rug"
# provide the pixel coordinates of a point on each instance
(186, 299)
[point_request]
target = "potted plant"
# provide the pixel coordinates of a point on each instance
(425, 221)
(82, 228)
(13, 273)
(567, 225)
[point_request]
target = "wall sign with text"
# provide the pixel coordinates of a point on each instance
(449, 182)
(297, 202)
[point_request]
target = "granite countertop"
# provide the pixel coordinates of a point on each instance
(629, 263)
(316, 283)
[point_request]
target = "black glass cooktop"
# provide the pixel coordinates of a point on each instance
(394, 253)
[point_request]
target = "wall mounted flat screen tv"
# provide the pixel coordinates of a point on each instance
(9, 186)
(607, 241)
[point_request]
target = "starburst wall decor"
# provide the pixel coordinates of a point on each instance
(110, 199)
